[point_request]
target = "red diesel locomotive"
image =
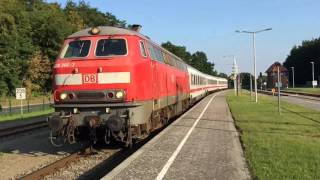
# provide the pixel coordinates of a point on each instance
(117, 81)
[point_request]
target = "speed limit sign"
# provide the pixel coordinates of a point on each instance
(21, 93)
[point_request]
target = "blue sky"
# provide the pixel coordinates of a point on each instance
(209, 26)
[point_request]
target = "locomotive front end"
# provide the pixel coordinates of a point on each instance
(92, 89)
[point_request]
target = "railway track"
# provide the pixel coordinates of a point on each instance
(4, 132)
(292, 94)
(51, 168)
(116, 155)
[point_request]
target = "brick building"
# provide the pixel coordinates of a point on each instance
(272, 76)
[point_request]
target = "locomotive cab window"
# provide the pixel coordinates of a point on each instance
(78, 48)
(111, 47)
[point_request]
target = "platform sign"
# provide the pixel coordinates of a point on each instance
(21, 93)
(314, 83)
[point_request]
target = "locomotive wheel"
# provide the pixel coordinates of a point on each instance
(56, 140)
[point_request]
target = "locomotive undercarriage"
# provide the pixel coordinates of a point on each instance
(68, 126)
(109, 123)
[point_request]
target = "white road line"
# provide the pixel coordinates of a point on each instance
(176, 152)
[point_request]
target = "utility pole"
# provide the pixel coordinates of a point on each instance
(279, 81)
(250, 87)
(292, 68)
(312, 73)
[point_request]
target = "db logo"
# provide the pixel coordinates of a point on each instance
(89, 78)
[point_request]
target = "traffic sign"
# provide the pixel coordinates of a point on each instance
(314, 83)
(21, 93)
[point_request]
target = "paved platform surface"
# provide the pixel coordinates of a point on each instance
(201, 144)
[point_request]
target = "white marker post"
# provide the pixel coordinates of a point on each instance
(279, 84)
(21, 95)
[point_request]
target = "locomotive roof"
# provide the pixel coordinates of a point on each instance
(111, 30)
(107, 30)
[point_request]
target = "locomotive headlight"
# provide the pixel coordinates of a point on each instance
(119, 95)
(63, 96)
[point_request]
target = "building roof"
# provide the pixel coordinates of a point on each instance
(107, 30)
(273, 68)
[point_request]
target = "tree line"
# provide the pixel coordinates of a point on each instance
(197, 60)
(300, 58)
(32, 32)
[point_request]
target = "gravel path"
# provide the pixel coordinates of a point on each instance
(25, 153)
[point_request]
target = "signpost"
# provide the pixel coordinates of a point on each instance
(279, 84)
(314, 83)
(21, 95)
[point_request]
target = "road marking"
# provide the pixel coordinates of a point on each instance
(176, 152)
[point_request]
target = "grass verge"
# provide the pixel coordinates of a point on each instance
(285, 146)
(26, 115)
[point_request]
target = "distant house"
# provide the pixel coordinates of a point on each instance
(272, 76)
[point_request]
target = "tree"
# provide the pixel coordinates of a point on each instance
(32, 31)
(39, 70)
(180, 51)
(245, 79)
(300, 58)
(198, 60)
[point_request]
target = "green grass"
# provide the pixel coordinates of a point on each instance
(285, 146)
(305, 90)
(26, 115)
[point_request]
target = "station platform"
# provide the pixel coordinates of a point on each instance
(201, 144)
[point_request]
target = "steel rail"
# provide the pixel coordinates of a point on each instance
(4, 132)
(57, 165)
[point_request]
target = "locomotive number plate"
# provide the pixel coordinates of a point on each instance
(89, 78)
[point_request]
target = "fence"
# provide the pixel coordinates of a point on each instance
(9, 105)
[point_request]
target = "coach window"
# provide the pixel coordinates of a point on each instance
(111, 47)
(78, 48)
(142, 49)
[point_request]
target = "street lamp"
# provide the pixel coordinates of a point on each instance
(292, 68)
(254, 56)
(312, 73)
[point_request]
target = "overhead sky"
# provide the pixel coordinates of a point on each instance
(209, 26)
